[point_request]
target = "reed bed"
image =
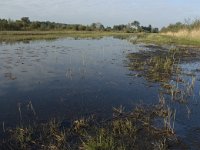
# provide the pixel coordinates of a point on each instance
(185, 33)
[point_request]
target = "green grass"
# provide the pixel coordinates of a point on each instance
(160, 39)
(158, 66)
(12, 36)
(125, 130)
(154, 38)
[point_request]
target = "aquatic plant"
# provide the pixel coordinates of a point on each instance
(141, 128)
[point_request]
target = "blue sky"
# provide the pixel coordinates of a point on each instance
(155, 12)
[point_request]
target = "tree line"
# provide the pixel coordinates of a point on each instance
(24, 24)
(187, 25)
(135, 27)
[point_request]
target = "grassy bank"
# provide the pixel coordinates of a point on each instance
(169, 39)
(11, 36)
(183, 38)
(186, 33)
(189, 30)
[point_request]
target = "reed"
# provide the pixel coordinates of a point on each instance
(185, 33)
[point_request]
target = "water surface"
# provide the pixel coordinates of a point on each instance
(68, 78)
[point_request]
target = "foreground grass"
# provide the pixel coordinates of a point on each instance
(144, 127)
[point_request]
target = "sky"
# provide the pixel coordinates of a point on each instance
(158, 13)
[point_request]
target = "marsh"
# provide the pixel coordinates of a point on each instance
(71, 78)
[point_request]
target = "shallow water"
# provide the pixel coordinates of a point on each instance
(70, 78)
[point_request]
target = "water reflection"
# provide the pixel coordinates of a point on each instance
(68, 78)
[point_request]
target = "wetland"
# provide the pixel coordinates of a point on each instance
(99, 93)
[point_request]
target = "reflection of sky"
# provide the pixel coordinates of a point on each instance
(70, 78)
(69, 74)
(186, 124)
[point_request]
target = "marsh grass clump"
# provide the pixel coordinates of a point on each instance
(162, 64)
(135, 130)
(155, 66)
(144, 127)
(42, 136)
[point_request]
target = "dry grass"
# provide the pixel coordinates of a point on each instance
(185, 33)
(12, 36)
(145, 127)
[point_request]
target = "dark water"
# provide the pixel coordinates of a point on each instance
(70, 78)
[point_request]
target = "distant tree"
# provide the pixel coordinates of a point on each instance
(150, 28)
(35, 25)
(136, 24)
(155, 30)
(108, 29)
(121, 27)
(25, 20)
(3, 24)
(88, 28)
(25, 24)
(97, 26)
(93, 26)
(81, 28)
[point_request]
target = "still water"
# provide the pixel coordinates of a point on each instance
(69, 78)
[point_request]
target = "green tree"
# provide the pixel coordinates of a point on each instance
(25, 20)
(136, 24)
